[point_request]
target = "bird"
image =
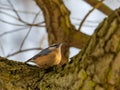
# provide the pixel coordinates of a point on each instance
(48, 57)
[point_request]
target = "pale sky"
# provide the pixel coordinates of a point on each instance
(11, 42)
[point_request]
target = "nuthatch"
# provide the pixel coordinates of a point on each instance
(48, 57)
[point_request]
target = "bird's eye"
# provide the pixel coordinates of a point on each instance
(55, 45)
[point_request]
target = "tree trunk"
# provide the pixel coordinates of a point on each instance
(59, 27)
(96, 67)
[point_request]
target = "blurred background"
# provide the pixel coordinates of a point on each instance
(22, 27)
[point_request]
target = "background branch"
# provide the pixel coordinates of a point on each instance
(103, 8)
(28, 31)
(95, 7)
(21, 51)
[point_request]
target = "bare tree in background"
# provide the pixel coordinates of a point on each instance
(19, 24)
(96, 67)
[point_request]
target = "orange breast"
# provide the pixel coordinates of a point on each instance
(50, 59)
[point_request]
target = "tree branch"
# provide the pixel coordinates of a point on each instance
(28, 31)
(21, 51)
(103, 8)
(95, 7)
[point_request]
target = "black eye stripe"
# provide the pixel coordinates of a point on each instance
(56, 45)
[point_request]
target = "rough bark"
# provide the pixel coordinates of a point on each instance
(59, 27)
(96, 67)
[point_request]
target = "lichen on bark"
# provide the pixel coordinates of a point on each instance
(96, 67)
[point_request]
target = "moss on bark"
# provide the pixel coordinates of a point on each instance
(96, 67)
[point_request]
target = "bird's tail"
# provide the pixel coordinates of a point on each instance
(29, 60)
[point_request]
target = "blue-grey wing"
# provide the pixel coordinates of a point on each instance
(42, 53)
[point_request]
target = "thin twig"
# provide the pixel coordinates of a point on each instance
(12, 31)
(8, 14)
(4, 4)
(18, 16)
(11, 23)
(85, 25)
(98, 5)
(28, 32)
(81, 23)
(26, 23)
(36, 25)
(89, 21)
(21, 51)
(20, 11)
(14, 10)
